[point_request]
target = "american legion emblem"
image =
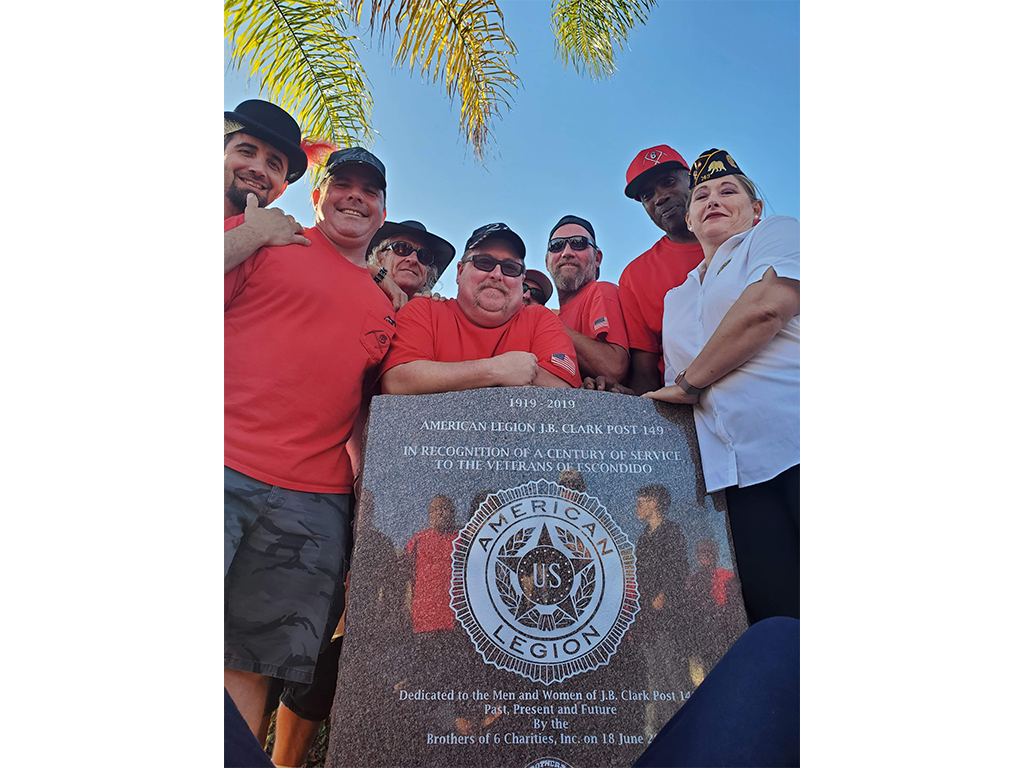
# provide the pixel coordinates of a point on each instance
(544, 581)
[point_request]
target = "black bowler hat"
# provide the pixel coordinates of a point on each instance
(273, 125)
(360, 156)
(498, 230)
(444, 251)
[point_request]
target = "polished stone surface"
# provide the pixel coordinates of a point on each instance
(510, 602)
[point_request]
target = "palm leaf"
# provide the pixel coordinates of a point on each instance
(462, 42)
(305, 63)
(587, 31)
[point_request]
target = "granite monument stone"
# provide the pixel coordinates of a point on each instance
(539, 579)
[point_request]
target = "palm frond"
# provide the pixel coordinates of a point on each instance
(382, 15)
(305, 63)
(587, 31)
(464, 42)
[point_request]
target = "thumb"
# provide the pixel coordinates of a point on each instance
(251, 202)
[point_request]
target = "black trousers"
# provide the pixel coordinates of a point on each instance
(765, 520)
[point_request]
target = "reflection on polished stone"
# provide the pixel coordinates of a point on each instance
(539, 579)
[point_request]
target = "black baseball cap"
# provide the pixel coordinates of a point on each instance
(356, 155)
(574, 220)
(499, 230)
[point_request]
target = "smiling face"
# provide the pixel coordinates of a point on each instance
(407, 271)
(489, 299)
(571, 270)
(719, 209)
(665, 195)
(251, 165)
(349, 208)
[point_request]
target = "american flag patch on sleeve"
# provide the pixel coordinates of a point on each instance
(601, 322)
(564, 362)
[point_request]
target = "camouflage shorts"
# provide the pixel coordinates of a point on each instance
(285, 553)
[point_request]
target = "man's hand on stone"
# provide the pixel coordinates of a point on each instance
(274, 226)
(515, 369)
(603, 384)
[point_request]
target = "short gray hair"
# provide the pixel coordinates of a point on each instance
(374, 257)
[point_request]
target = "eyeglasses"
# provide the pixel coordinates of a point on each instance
(535, 293)
(425, 256)
(577, 243)
(486, 263)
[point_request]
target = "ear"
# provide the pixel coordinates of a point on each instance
(758, 208)
(689, 226)
(598, 256)
(316, 197)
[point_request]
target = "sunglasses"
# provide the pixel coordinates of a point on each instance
(535, 293)
(577, 243)
(425, 256)
(487, 263)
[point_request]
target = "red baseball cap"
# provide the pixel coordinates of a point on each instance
(660, 157)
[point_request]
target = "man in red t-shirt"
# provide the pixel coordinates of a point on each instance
(263, 154)
(658, 179)
(305, 330)
(589, 309)
(485, 337)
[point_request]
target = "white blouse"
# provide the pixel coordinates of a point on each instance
(748, 422)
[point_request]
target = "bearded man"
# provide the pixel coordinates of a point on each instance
(589, 309)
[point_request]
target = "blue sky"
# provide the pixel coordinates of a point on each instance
(697, 75)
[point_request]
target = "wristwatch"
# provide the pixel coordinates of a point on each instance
(379, 277)
(686, 386)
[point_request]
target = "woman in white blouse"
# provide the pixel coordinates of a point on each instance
(731, 335)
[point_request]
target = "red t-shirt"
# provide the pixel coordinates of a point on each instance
(595, 311)
(431, 601)
(644, 283)
(441, 332)
(304, 333)
(719, 578)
